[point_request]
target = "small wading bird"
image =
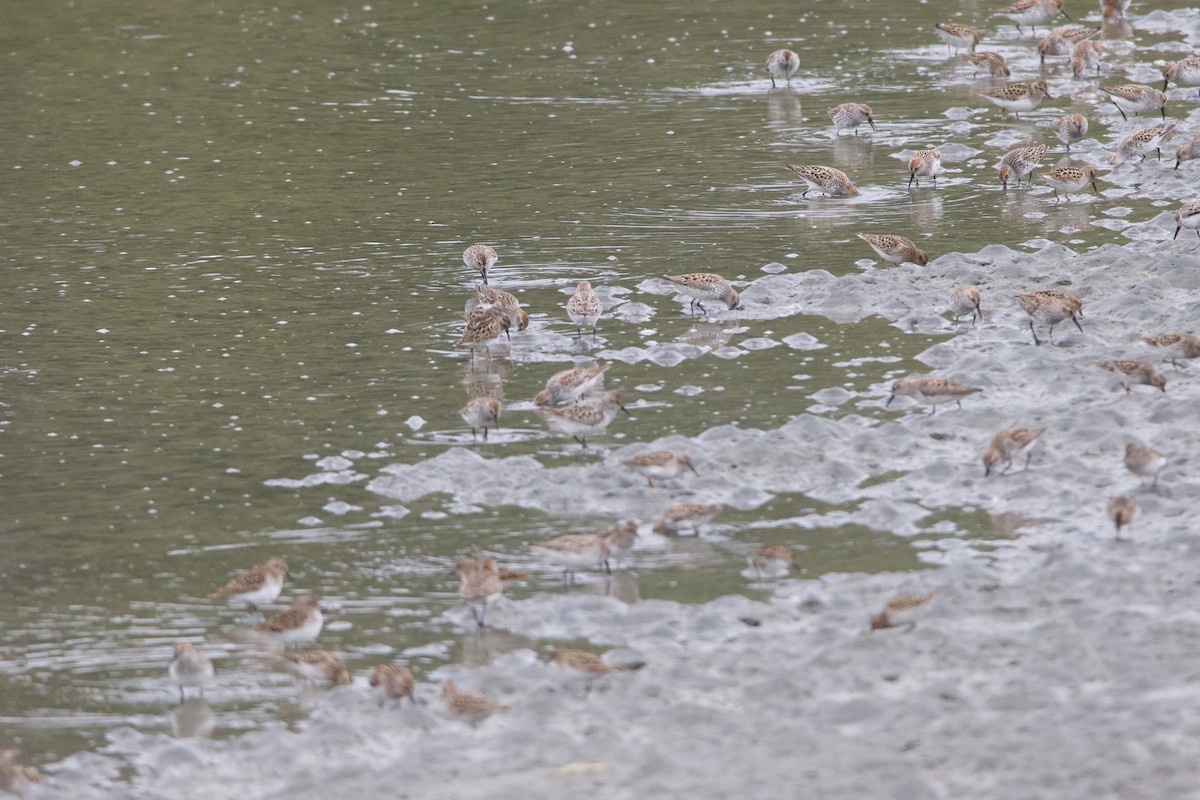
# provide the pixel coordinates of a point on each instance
(481, 258)
(931, 390)
(782, 64)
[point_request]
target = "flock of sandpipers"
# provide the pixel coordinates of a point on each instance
(575, 404)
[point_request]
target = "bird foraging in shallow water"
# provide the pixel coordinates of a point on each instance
(1070, 179)
(966, 300)
(189, 668)
(1086, 55)
(487, 296)
(782, 64)
(482, 412)
(1070, 128)
(924, 164)
(827, 180)
(1008, 443)
(771, 560)
(996, 64)
(1019, 163)
(300, 622)
(575, 551)
(481, 258)
(851, 115)
(1032, 12)
(259, 585)
(1141, 143)
(1185, 72)
(1050, 307)
(660, 464)
(584, 309)
(959, 37)
(1018, 97)
(319, 666)
(570, 385)
(1059, 41)
(1135, 371)
(1135, 99)
(895, 249)
(1188, 151)
(931, 390)
(396, 680)
(484, 326)
(585, 418)
(479, 585)
(681, 515)
(1121, 511)
(705, 286)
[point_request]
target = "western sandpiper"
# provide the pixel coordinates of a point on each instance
(571, 385)
(1070, 128)
(689, 515)
(1187, 151)
(300, 622)
(1180, 345)
(584, 662)
(996, 64)
(770, 560)
(1019, 163)
(189, 668)
(1070, 179)
(1018, 97)
(902, 609)
(1185, 72)
(1121, 511)
(1032, 12)
(1188, 216)
(966, 300)
(479, 585)
(782, 64)
(924, 164)
(1086, 55)
(259, 585)
(482, 412)
(660, 464)
(1142, 142)
(705, 286)
(1008, 443)
(468, 706)
(574, 551)
(1059, 41)
(1050, 307)
(486, 296)
(1144, 461)
(957, 36)
(1135, 371)
(851, 115)
(1134, 99)
(931, 390)
(318, 666)
(484, 326)
(396, 680)
(585, 418)
(584, 309)
(895, 249)
(828, 180)
(480, 257)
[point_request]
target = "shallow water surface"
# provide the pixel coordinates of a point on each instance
(232, 258)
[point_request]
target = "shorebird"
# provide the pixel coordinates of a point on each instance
(851, 115)
(931, 390)
(1050, 307)
(1018, 97)
(480, 257)
(782, 64)
(1070, 179)
(957, 36)
(1135, 99)
(257, 586)
(828, 180)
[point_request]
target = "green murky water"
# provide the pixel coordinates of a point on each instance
(231, 247)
